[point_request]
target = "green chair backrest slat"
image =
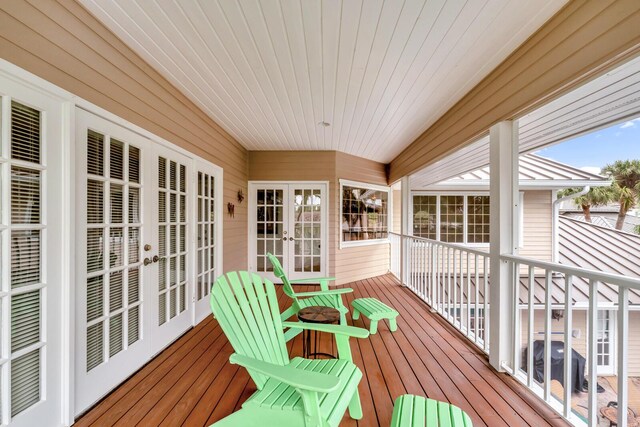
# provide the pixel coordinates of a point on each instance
(278, 271)
(246, 308)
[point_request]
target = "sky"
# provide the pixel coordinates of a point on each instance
(593, 151)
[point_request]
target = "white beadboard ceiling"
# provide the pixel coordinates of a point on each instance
(380, 72)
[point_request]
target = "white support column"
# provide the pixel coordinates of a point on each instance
(504, 226)
(405, 227)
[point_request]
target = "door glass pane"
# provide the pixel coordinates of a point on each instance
(22, 236)
(173, 241)
(603, 347)
(206, 235)
(112, 265)
(270, 227)
(307, 226)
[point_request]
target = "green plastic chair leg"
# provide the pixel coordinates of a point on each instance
(393, 325)
(374, 327)
(355, 315)
(355, 408)
(343, 318)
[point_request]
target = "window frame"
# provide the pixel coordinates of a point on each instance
(465, 220)
(367, 186)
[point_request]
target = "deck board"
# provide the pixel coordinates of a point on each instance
(191, 383)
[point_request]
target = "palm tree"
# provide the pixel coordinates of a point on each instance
(626, 184)
(597, 196)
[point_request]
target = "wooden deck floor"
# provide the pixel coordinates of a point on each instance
(191, 383)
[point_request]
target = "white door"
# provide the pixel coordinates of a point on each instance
(288, 220)
(171, 251)
(113, 197)
(605, 347)
(208, 264)
(133, 253)
(32, 199)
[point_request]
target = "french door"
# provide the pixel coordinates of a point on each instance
(208, 265)
(605, 346)
(133, 253)
(32, 256)
(288, 220)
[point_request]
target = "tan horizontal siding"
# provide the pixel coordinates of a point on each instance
(634, 344)
(537, 227)
(583, 40)
(346, 264)
(361, 262)
(64, 44)
(300, 166)
(397, 211)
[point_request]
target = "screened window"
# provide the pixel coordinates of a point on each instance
(364, 212)
(454, 218)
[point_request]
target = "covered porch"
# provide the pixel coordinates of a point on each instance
(191, 383)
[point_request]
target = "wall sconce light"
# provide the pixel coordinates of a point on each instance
(231, 209)
(240, 196)
(557, 314)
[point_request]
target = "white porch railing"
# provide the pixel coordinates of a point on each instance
(454, 280)
(567, 279)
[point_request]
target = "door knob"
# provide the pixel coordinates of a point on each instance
(147, 261)
(147, 247)
(284, 238)
(291, 238)
(155, 258)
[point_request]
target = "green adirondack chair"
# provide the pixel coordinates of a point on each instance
(291, 392)
(325, 297)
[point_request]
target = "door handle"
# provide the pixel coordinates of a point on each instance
(284, 238)
(291, 238)
(155, 258)
(147, 261)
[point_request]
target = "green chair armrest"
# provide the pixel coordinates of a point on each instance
(339, 291)
(297, 378)
(350, 331)
(314, 280)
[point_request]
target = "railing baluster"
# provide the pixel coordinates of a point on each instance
(455, 287)
(468, 297)
(432, 285)
(486, 315)
(463, 314)
(531, 313)
(515, 360)
(568, 326)
(547, 335)
(477, 297)
(592, 361)
(623, 352)
(448, 284)
(423, 270)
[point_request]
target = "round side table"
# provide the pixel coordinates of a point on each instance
(316, 314)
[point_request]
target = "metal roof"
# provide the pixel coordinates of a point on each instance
(534, 170)
(607, 219)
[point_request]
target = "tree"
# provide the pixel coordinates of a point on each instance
(597, 196)
(626, 185)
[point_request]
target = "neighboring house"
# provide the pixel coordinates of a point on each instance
(457, 211)
(605, 216)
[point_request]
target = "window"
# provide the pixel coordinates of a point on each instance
(364, 213)
(455, 218)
